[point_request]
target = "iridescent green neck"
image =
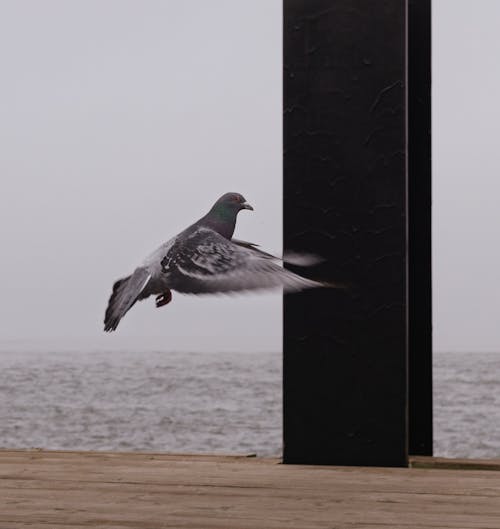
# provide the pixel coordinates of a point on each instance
(223, 213)
(221, 219)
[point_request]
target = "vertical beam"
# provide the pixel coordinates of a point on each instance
(345, 198)
(420, 261)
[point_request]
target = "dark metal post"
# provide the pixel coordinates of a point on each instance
(345, 198)
(419, 150)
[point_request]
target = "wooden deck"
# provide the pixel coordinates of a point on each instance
(59, 490)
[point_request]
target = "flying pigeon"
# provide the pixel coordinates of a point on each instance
(205, 259)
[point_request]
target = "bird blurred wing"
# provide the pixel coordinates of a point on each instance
(206, 262)
(291, 257)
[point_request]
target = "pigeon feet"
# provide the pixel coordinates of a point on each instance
(164, 298)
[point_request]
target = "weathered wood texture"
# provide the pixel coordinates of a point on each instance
(454, 464)
(115, 490)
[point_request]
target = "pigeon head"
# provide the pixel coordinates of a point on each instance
(231, 203)
(222, 216)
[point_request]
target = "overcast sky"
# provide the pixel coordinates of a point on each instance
(466, 174)
(122, 121)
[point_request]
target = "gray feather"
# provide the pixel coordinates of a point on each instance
(293, 258)
(125, 293)
(205, 262)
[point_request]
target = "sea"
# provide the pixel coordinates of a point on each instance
(206, 402)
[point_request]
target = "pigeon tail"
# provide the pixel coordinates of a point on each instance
(125, 293)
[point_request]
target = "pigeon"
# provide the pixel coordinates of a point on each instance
(205, 259)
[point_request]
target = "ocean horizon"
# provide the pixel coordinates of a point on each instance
(205, 402)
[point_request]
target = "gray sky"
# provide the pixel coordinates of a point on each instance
(122, 121)
(466, 174)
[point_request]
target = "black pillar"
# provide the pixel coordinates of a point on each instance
(419, 151)
(345, 198)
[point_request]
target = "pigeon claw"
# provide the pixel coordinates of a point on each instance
(164, 298)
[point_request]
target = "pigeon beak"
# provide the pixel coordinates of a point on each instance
(246, 205)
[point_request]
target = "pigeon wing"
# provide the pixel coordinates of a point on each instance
(290, 257)
(255, 248)
(205, 262)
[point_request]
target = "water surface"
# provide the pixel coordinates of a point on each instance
(201, 402)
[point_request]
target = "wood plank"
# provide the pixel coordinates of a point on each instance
(456, 464)
(124, 490)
